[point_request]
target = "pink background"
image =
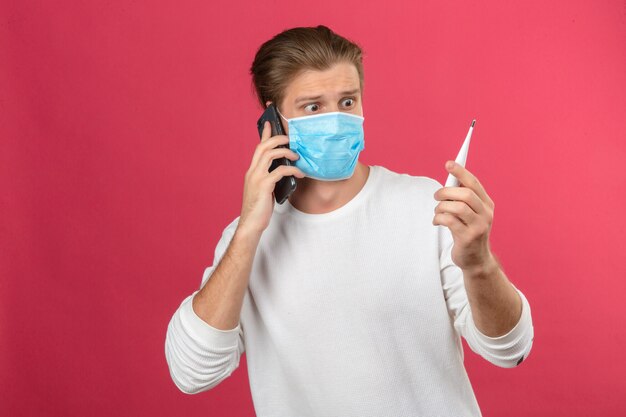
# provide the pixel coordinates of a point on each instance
(126, 128)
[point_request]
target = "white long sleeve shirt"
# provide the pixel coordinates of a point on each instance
(356, 312)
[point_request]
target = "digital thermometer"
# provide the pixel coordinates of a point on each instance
(461, 158)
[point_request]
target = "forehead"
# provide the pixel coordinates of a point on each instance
(340, 77)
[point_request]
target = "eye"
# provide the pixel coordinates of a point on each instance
(348, 102)
(313, 107)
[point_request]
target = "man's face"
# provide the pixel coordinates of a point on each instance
(316, 92)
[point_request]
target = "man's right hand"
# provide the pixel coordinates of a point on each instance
(258, 196)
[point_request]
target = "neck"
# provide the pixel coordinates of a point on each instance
(318, 197)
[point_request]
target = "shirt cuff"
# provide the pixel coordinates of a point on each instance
(202, 331)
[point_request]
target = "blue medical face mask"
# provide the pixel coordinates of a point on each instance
(328, 144)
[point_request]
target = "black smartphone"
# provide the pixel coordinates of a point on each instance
(287, 184)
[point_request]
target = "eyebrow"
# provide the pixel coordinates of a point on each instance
(343, 93)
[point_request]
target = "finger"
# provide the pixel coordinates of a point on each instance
(451, 222)
(466, 195)
(267, 145)
(459, 209)
(265, 135)
(283, 171)
(273, 154)
(267, 131)
(274, 141)
(469, 180)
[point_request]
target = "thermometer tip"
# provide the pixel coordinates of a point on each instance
(473, 123)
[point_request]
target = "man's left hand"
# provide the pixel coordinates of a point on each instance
(467, 211)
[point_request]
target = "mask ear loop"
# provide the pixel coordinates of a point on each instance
(281, 115)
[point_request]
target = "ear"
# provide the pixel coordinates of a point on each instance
(267, 103)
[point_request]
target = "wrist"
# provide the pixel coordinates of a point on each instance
(248, 234)
(487, 269)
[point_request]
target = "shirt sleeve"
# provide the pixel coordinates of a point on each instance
(506, 351)
(200, 356)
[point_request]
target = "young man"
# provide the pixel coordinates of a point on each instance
(350, 299)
